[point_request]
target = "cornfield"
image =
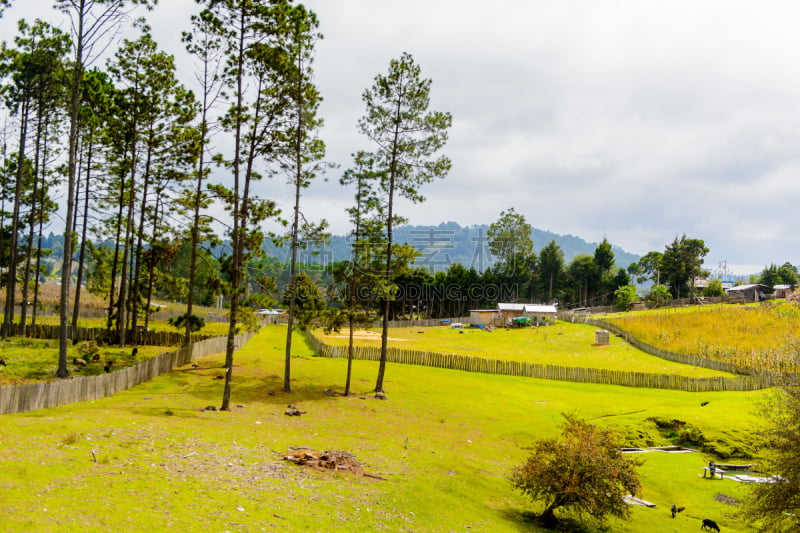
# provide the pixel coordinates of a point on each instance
(763, 337)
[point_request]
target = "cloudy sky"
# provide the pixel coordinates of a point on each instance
(634, 121)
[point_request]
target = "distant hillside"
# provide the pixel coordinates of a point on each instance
(441, 246)
(450, 243)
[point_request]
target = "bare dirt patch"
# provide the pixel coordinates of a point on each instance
(364, 335)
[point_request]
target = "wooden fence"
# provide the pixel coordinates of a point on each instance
(29, 397)
(140, 336)
(534, 370)
(422, 323)
(693, 360)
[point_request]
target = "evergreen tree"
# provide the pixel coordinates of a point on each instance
(248, 30)
(551, 270)
(92, 20)
(407, 137)
(303, 151)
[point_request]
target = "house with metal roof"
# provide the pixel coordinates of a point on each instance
(781, 291)
(538, 313)
(748, 293)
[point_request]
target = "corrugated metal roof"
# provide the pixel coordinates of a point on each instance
(527, 308)
(746, 287)
(539, 308)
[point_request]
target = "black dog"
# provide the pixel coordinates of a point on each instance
(709, 525)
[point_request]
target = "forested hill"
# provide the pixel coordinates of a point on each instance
(450, 243)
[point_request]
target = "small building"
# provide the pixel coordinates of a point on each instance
(781, 291)
(482, 317)
(748, 293)
(541, 314)
(538, 313)
(509, 311)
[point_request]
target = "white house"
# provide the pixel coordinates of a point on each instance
(781, 291)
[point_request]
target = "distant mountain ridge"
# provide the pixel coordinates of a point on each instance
(449, 243)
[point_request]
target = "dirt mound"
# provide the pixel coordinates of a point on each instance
(328, 460)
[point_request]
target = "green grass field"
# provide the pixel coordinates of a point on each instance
(153, 458)
(563, 344)
(30, 360)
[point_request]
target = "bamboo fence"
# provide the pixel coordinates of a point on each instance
(33, 396)
(534, 370)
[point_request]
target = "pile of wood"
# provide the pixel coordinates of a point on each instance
(327, 460)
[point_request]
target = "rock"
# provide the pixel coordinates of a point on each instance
(291, 410)
(380, 395)
(210, 408)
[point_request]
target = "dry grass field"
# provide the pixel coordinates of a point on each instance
(762, 336)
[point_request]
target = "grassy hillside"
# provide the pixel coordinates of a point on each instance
(444, 442)
(563, 344)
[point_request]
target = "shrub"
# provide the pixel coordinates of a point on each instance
(585, 471)
(624, 296)
(87, 349)
(196, 323)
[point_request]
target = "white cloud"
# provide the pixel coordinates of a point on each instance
(637, 121)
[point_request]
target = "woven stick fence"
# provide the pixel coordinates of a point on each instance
(33, 396)
(533, 370)
(693, 360)
(140, 336)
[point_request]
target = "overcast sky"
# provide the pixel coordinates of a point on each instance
(635, 121)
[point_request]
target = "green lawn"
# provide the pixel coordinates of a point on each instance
(563, 344)
(153, 458)
(29, 360)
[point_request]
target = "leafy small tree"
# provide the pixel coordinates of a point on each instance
(789, 275)
(714, 288)
(625, 295)
(510, 241)
(585, 471)
(659, 295)
(681, 263)
(776, 506)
